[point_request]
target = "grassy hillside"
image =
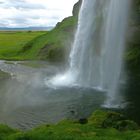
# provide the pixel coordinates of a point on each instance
(11, 42)
(55, 44)
(52, 45)
(102, 125)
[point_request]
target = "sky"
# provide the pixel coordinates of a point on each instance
(35, 13)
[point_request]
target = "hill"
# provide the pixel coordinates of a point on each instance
(51, 45)
(26, 29)
(54, 45)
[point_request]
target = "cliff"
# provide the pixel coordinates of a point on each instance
(132, 56)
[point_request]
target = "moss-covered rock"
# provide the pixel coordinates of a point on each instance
(107, 119)
(124, 125)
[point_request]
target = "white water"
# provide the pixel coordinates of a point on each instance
(96, 56)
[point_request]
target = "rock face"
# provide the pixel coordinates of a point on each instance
(76, 8)
(133, 50)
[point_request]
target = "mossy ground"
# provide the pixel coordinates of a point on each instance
(93, 129)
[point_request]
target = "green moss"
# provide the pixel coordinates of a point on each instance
(126, 125)
(6, 131)
(107, 119)
(72, 130)
(17, 136)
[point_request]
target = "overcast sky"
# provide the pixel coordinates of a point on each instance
(25, 13)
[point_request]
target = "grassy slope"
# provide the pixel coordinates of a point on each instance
(39, 45)
(11, 42)
(51, 45)
(100, 126)
(55, 44)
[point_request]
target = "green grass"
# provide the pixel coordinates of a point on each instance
(53, 45)
(11, 42)
(92, 129)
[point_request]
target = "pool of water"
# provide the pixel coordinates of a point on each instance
(26, 101)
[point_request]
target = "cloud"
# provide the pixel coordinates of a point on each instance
(21, 4)
(25, 13)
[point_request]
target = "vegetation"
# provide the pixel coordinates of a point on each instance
(11, 42)
(133, 51)
(55, 44)
(38, 45)
(102, 125)
(52, 45)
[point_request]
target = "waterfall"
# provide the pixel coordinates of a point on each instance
(97, 52)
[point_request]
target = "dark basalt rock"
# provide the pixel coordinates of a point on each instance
(83, 121)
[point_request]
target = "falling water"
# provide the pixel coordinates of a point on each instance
(96, 56)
